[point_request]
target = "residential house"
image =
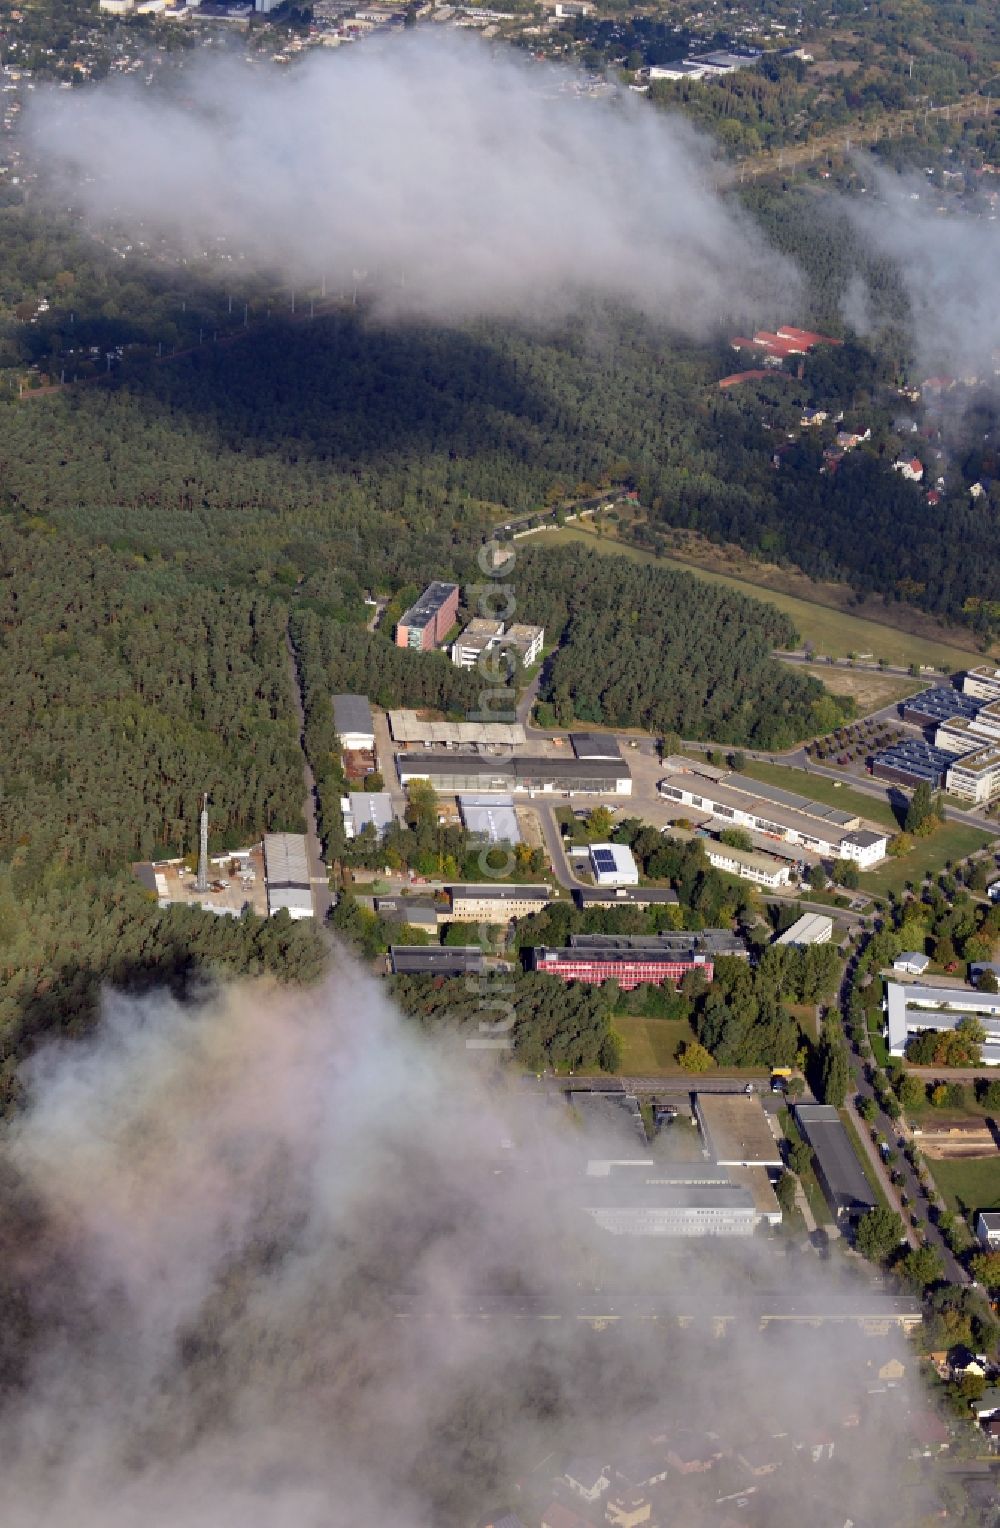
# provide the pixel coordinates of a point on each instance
(988, 1404)
(588, 1478)
(911, 467)
(988, 1228)
(693, 1453)
(629, 1510)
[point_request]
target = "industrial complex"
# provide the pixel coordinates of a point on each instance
(736, 799)
(961, 750)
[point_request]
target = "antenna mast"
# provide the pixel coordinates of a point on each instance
(201, 884)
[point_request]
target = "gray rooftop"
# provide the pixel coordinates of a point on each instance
(839, 1168)
(595, 745)
(436, 960)
(352, 713)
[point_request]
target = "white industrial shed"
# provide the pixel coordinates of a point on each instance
(286, 872)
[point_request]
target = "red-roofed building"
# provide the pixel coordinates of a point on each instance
(912, 468)
(806, 337)
(933, 498)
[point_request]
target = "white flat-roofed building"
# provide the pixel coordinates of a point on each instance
(613, 865)
(636, 1199)
(480, 636)
(912, 1007)
(975, 776)
(982, 682)
(811, 928)
(491, 817)
(411, 727)
(748, 864)
(527, 641)
(353, 724)
(286, 872)
(735, 1130)
(362, 809)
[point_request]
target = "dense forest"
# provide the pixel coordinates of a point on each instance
(59, 953)
(122, 703)
(673, 653)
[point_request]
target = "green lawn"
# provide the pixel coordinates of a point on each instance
(819, 788)
(969, 1186)
(648, 1045)
(952, 841)
(833, 633)
(810, 1183)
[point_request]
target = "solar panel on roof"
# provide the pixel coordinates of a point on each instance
(604, 859)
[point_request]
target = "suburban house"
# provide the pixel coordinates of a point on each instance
(588, 1478)
(988, 1228)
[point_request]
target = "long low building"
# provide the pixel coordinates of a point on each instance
(840, 1174)
(912, 761)
(637, 960)
(411, 727)
(496, 901)
(777, 813)
(647, 1199)
(748, 864)
(912, 1008)
(286, 874)
(454, 773)
(939, 704)
(436, 960)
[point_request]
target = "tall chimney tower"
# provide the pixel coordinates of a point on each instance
(201, 884)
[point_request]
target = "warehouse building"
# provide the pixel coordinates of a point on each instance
(613, 865)
(735, 1130)
(479, 637)
(286, 873)
(777, 813)
(455, 773)
(416, 912)
(363, 809)
(436, 960)
(841, 1176)
(353, 724)
(429, 620)
(912, 762)
(493, 902)
(639, 1198)
(490, 818)
(811, 928)
(410, 727)
(912, 1008)
(595, 745)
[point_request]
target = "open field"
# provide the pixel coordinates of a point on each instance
(819, 788)
(833, 632)
(648, 1045)
(969, 1186)
(869, 691)
(952, 841)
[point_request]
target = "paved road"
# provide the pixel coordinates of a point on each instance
(891, 1132)
(703, 1083)
(863, 1307)
(919, 681)
(318, 876)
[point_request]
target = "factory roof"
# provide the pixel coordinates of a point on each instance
(811, 928)
(352, 713)
(367, 807)
(285, 860)
(519, 768)
(838, 1162)
(491, 816)
(436, 960)
(793, 801)
(736, 1130)
(708, 941)
(595, 745)
(411, 727)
